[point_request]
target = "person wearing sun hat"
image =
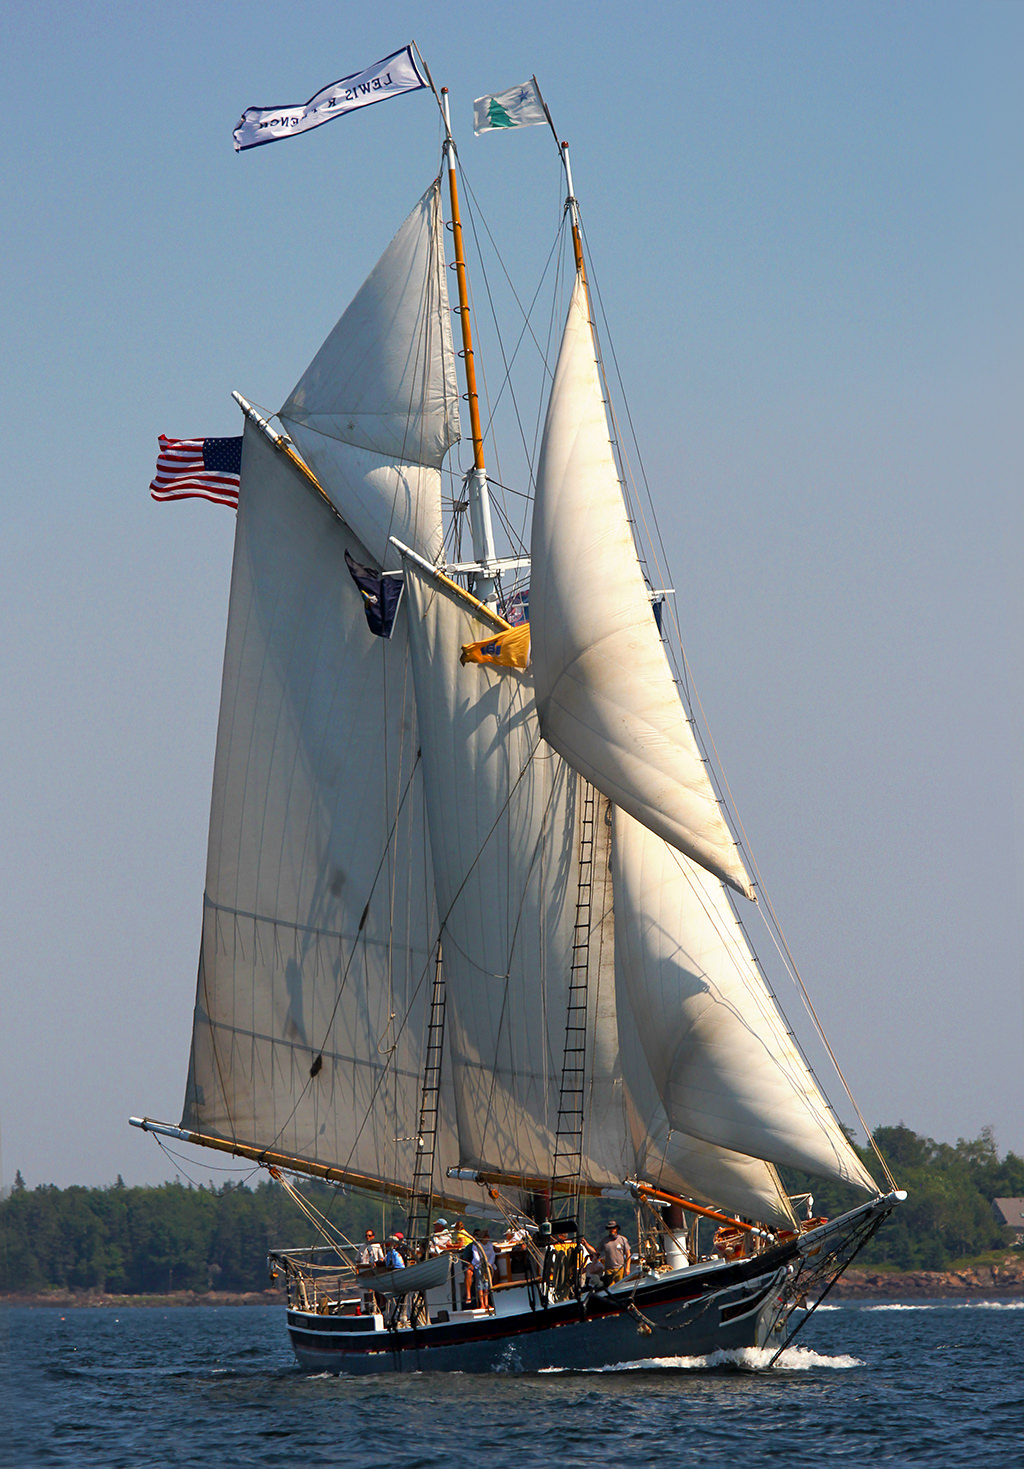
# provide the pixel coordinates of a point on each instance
(615, 1254)
(441, 1239)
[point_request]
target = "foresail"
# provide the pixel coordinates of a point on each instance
(725, 1066)
(376, 410)
(503, 825)
(716, 1177)
(605, 694)
(318, 919)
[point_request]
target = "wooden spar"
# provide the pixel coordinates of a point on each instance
(570, 200)
(452, 586)
(596, 1190)
(281, 443)
(271, 1159)
(460, 276)
(530, 1185)
(268, 1159)
(645, 1190)
(574, 219)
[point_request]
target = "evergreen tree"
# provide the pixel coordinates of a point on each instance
(176, 1237)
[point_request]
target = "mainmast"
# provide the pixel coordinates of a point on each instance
(574, 213)
(478, 493)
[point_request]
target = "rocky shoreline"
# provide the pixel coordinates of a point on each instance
(70, 1299)
(988, 1281)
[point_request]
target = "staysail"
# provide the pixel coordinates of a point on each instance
(605, 694)
(626, 1115)
(376, 410)
(724, 1063)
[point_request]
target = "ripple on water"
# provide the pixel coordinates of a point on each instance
(922, 1384)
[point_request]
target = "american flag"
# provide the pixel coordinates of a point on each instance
(517, 608)
(207, 468)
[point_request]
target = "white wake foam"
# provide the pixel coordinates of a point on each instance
(744, 1359)
(989, 1306)
(899, 1306)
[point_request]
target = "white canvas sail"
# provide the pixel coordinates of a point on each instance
(318, 921)
(376, 410)
(504, 821)
(626, 1127)
(725, 1066)
(605, 694)
(502, 812)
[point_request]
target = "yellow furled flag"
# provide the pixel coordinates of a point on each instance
(507, 649)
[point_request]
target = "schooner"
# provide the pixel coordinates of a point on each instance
(472, 930)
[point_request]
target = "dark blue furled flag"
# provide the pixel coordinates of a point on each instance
(381, 596)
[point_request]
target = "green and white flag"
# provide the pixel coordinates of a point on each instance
(519, 107)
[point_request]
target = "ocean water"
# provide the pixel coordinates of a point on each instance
(938, 1384)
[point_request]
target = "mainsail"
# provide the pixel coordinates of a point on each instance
(318, 912)
(377, 409)
(605, 694)
(319, 922)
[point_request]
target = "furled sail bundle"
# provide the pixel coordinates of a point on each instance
(605, 694)
(377, 409)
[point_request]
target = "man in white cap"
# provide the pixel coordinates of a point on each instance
(441, 1238)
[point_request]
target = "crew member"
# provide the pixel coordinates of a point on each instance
(615, 1255)
(441, 1239)
(372, 1252)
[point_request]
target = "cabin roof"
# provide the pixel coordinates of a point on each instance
(1010, 1211)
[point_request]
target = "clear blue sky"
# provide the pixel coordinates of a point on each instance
(807, 226)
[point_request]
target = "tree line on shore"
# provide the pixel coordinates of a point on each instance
(177, 1237)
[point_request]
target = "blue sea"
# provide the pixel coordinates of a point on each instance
(940, 1384)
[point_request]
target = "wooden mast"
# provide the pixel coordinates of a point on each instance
(479, 494)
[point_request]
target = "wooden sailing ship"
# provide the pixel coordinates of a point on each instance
(474, 929)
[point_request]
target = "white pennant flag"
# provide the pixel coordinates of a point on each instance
(388, 78)
(519, 107)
